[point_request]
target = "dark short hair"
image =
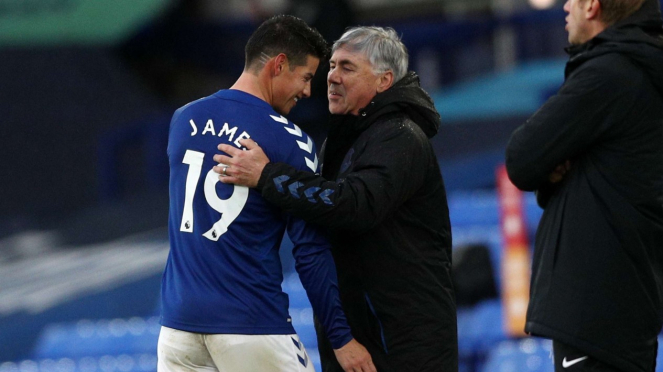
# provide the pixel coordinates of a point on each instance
(285, 34)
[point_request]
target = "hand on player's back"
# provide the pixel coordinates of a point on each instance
(241, 167)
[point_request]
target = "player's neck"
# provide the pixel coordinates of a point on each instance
(253, 85)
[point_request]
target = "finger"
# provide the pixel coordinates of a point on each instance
(249, 143)
(230, 150)
(219, 169)
(223, 159)
(228, 179)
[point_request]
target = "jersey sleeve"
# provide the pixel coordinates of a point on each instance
(315, 266)
(313, 259)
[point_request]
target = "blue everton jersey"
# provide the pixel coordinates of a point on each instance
(223, 273)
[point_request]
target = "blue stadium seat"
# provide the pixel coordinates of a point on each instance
(103, 363)
(87, 338)
(302, 320)
(296, 293)
(475, 220)
(525, 355)
(480, 328)
(481, 208)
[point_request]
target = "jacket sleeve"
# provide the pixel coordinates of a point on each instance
(592, 99)
(315, 266)
(388, 168)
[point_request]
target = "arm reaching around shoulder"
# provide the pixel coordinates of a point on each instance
(353, 356)
(378, 180)
(241, 167)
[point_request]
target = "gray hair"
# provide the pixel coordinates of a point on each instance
(382, 46)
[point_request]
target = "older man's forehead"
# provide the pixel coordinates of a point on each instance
(349, 53)
(346, 56)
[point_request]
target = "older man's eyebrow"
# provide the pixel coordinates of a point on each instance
(343, 62)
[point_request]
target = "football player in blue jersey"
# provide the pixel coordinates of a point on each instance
(223, 308)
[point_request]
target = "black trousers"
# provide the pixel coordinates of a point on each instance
(569, 359)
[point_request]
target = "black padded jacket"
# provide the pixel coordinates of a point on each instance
(382, 198)
(598, 260)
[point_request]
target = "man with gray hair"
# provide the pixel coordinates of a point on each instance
(382, 199)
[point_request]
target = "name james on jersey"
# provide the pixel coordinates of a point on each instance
(225, 130)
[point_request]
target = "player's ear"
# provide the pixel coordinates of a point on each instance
(280, 64)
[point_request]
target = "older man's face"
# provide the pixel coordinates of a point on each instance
(351, 83)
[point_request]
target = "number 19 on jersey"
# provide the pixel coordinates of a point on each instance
(229, 208)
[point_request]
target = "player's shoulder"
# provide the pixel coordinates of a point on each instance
(191, 106)
(295, 145)
(244, 102)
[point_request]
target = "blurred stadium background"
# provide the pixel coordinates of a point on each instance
(87, 90)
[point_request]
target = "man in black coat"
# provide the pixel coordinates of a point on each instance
(382, 197)
(594, 155)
